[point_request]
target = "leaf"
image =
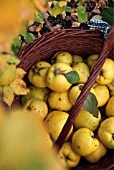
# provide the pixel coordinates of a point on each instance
(108, 15)
(12, 59)
(68, 9)
(27, 36)
(82, 15)
(112, 82)
(39, 27)
(16, 45)
(39, 17)
(19, 87)
(8, 95)
(72, 77)
(90, 105)
(3, 64)
(31, 22)
(56, 10)
(62, 3)
(20, 73)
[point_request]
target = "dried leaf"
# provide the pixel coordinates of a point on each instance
(39, 27)
(19, 87)
(20, 73)
(62, 3)
(75, 24)
(8, 95)
(97, 17)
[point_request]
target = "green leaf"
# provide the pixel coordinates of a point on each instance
(81, 9)
(80, 2)
(68, 9)
(15, 49)
(16, 45)
(72, 77)
(31, 22)
(90, 105)
(12, 59)
(82, 15)
(29, 37)
(108, 15)
(56, 10)
(112, 82)
(39, 17)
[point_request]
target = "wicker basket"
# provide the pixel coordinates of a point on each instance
(75, 41)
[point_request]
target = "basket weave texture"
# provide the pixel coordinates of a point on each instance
(75, 41)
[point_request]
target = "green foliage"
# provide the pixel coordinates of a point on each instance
(18, 42)
(39, 17)
(82, 15)
(112, 82)
(56, 10)
(90, 105)
(108, 15)
(72, 77)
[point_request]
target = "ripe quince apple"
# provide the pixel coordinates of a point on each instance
(87, 120)
(110, 107)
(67, 156)
(36, 93)
(37, 74)
(102, 95)
(91, 60)
(83, 71)
(64, 57)
(56, 79)
(54, 122)
(106, 74)
(106, 132)
(76, 59)
(59, 101)
(97, 154)
(95, 84)
(83, 142)
(75, 91)
(36, 106)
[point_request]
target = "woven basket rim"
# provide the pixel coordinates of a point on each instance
(46, 38)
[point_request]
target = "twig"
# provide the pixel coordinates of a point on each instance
(47, 22)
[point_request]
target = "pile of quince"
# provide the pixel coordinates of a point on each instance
(54, 88)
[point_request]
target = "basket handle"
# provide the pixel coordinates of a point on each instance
(107, 47)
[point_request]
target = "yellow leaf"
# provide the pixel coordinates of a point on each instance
(19, 87)
(41, 5)
(3, 64)
(8, 95)
(39, 27)
(62, 3)
(12, 14)
(20, 73)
